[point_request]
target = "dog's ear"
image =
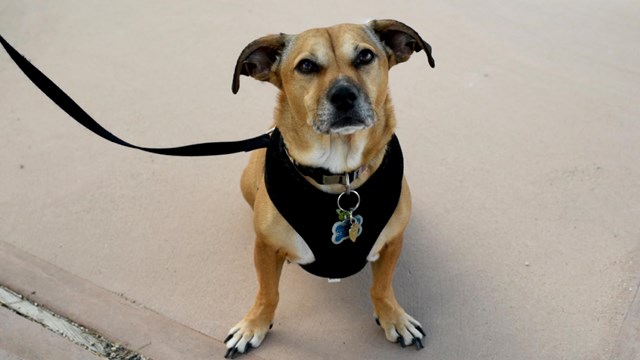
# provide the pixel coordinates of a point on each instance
(257, 60)
(401, 40)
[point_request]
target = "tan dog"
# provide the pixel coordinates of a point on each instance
(335, 125)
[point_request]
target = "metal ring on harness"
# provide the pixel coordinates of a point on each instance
(353, 208)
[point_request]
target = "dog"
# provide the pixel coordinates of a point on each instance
(332, 147)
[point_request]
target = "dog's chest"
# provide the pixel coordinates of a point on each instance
(340, 154)
(312, 213)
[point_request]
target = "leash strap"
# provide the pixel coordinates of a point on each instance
(67, 104)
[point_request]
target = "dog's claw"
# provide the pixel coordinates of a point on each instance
(242, 339)
(231, 353)
(414, 342)
(403, 330)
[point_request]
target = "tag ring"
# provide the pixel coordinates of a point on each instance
(353, 208)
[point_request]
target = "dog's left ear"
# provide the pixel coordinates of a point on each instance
(401, 40)
(257, 60)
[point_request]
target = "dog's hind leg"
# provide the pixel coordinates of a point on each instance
(251, 331)
(398, 326)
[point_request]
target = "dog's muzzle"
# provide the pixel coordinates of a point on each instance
(345, 110)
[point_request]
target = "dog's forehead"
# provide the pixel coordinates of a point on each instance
(342, 39)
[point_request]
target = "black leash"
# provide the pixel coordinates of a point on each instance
(75, 111)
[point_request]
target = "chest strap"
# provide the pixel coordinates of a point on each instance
(312, 212)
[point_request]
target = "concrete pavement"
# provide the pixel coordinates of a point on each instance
(521, 149)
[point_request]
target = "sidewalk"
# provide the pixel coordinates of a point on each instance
(521, 149)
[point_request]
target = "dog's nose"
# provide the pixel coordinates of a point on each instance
(343, 97)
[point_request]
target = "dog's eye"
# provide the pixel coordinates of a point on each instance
(364, 57)
(307, 66)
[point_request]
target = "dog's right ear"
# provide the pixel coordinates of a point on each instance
(258, 59)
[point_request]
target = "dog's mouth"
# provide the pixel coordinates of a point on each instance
(331, 122)
(347, 125)
(343, 125)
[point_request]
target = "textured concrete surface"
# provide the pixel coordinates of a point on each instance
(521, 148)
(23, 339)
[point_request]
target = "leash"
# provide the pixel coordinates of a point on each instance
(74, 110)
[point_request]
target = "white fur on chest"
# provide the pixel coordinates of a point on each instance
(339, 155)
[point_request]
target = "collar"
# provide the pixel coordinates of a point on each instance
(325, 177)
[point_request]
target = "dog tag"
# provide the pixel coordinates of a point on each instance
(348, 228)
(353, 230)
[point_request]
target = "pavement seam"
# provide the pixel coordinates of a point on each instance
(72, 331)
(625, 327)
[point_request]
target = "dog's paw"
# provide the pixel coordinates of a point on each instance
(403, 329)
(244, 337)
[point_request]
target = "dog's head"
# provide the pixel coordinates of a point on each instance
(333, 78)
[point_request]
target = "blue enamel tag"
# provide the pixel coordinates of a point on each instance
(341, 229)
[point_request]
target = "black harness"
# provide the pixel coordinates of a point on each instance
(312, 213)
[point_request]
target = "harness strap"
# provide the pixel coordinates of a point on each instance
(312, 213)
(74, 110)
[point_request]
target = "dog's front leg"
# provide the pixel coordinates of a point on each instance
(398, 326)
(251, 331)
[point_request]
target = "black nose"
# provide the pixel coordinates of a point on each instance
(343, 97)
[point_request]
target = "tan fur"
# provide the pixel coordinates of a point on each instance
(300, 98)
